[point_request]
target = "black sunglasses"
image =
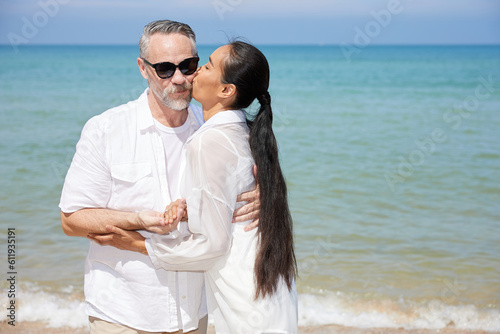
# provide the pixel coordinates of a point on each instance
(166, 70)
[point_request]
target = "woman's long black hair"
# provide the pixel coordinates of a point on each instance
(247, 68)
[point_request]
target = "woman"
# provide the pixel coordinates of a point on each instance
(249, 276)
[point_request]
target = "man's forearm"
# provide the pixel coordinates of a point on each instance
(82, 222)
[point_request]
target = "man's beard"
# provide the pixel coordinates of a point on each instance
(178, 104)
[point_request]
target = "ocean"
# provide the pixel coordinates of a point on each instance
(391, 155)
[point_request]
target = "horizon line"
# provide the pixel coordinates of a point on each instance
(265, 44)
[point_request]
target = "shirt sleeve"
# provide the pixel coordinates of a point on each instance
(88, 181)
(210, 188)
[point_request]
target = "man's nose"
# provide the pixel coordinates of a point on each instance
(178, 77)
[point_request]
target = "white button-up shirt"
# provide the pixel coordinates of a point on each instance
(120, 164)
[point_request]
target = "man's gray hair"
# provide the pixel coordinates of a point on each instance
(165, 27)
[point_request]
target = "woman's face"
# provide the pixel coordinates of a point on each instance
(207, 83)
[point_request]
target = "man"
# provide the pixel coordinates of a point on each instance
(124, 172)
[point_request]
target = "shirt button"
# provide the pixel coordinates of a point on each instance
(183, 297)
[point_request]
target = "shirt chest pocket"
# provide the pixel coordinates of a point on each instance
(133, 187)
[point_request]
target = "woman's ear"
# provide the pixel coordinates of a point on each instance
(228, 91)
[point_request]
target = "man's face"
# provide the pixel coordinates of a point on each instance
(173, 92)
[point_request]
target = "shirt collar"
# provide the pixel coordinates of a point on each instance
(145, 116)
(222, 117)
(225, 117)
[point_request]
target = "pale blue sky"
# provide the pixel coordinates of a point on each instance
(260, 21)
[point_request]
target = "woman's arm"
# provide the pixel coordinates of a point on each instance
(210, 187)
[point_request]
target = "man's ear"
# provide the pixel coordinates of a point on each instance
(142, 67)
(228, 91)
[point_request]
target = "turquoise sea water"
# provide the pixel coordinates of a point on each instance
(392, 159)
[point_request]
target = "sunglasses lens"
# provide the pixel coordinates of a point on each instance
(165, 70)
(188, 66)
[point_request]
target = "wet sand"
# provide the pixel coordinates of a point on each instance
(39, 328)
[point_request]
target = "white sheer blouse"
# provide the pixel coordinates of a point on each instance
(217, 167)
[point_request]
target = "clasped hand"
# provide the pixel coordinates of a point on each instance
(156, 222)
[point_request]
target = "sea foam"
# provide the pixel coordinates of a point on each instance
(339, 309)
(67, 309)
(54, 309)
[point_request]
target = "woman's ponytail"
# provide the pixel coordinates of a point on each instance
(275, 257)
(264, 99)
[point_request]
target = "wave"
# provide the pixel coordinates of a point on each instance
(339, 309)
(55, 309)
(66, 308)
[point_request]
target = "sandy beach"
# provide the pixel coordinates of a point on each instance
(39, 328)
